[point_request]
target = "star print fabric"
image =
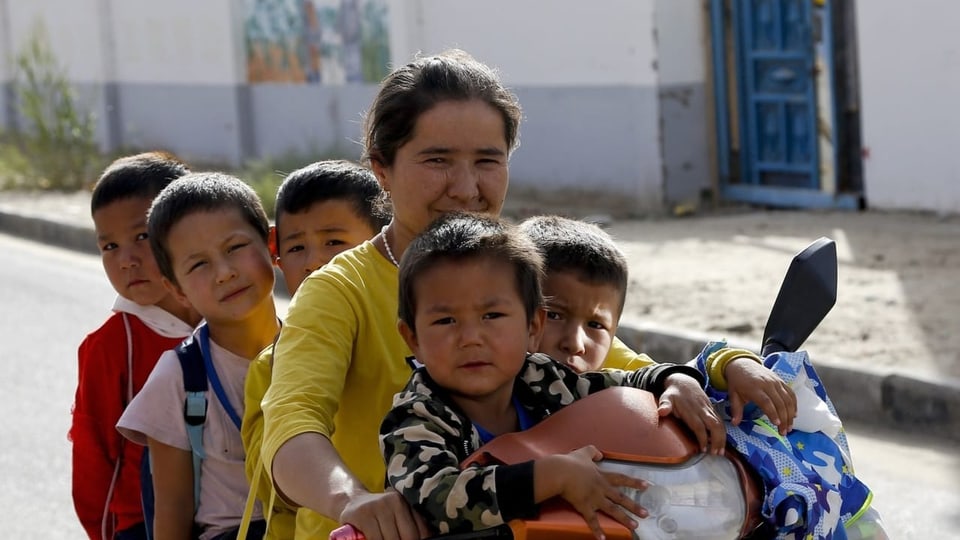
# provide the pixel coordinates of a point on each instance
(810, 488)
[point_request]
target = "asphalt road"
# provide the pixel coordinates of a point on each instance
(51, 298)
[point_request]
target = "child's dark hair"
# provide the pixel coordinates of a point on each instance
(583, 248)
(464, 236)
(200, 192)
(333, 180)
(415, 88)
(140, 175)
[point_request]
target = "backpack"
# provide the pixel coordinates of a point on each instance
(194, 368)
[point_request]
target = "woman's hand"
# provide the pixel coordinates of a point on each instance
(683, 396)
(749, 381)
(577, 479)
(385, 516)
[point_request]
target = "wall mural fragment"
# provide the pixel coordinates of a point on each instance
(317, 41)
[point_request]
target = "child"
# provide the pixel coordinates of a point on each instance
(325, 208)
(116, 358)
(585, 289)
(322, 209)
(470, 309)
(209, 233)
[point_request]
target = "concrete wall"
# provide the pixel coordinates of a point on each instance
(594, 91)
(586, 76)
(6, 67)
(683, 37)
(910, 80)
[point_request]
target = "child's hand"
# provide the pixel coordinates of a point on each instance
(589, 489)
(683, 396)
(384, 516)
(749, 381)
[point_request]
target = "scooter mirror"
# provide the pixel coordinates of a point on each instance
(808, 292)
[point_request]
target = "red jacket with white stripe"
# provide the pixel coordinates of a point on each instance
(106, 495)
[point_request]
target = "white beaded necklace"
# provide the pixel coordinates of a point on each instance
(386, 244)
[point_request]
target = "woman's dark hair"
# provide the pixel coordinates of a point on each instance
(415, 88)
(464, 236)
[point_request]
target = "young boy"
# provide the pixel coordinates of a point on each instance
(585, 289)
(470, 309)
(322, 209)
(116, 358)
(209, 233)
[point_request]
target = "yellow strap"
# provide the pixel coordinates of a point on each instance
(251, 502)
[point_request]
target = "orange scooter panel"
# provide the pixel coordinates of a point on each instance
(621, 422)
(559, 521)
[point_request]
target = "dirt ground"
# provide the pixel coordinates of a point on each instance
(898, 296)
(898, 299)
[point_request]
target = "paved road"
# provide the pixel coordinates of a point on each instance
(51, 298)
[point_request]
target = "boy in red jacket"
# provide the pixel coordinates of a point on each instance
(116, 359)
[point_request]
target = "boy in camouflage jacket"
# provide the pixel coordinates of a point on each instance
(470, 310)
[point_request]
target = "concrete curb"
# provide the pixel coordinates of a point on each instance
(862, 394)
(54, 233)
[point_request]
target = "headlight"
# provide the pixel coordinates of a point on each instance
(701, 499)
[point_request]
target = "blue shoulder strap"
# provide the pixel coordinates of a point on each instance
(214, 378)
(195, 403)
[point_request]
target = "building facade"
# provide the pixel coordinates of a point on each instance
(619, 96)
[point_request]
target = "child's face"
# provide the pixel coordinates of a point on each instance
(121, 229)
(308, 240)
(472, 332)
(581, 321)
(221, 264)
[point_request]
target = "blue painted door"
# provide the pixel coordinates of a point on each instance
(769, 144)
(778, 102)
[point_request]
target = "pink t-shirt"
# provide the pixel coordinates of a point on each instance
(157, 412)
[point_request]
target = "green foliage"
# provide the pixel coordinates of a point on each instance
(58, 146)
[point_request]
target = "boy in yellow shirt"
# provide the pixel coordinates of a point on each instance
(585, 288)
(322, 209)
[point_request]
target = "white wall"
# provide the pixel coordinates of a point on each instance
(910, 88)
(683, 36)
(73, 29)
(177, 42)
(171, 42)
(557, 43)
(6, 43)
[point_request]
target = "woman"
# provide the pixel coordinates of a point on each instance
(438, 136)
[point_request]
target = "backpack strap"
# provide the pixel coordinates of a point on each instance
(195, 404)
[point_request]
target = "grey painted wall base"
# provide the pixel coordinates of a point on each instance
(686, 143)
(584, 143)
(610, 147)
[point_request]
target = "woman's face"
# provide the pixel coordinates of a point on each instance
(456, 160)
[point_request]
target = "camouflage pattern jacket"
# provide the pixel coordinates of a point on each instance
(425, 437)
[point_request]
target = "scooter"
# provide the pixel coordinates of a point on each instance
(691, 495)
